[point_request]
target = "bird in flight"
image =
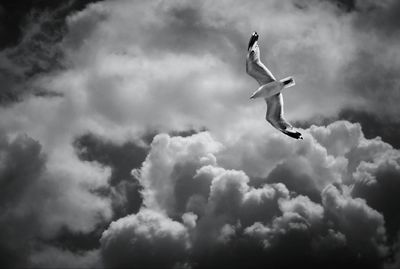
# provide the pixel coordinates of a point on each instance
(270, 89)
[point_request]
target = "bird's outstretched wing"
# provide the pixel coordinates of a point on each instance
(275, 116)
(254, 67)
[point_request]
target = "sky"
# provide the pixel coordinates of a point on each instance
(127, 137)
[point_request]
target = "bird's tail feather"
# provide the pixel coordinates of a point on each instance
(288, 82)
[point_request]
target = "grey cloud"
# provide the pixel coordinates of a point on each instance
(122, 158)
(261, 204)
(52, 257)
(22, 163)
(394, 262)
(191, 188)
(373, 77)
(21, 152)
(308, 233)
(170, 154)
(369, 74)
(234, 223)
(379, 17)
(372, 165)
(180, 66)
(305, 168)
(14, 14)
(378, 183)
(194, 51)
(30, 46)
(372, 125)
(37, 52)
(128, 241)
(124, 189)
(38, 201)
(350, 215)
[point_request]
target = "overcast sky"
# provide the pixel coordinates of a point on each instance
(127, 137)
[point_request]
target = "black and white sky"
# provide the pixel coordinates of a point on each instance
(127, 137)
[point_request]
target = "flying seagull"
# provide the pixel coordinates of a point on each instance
(270, 89)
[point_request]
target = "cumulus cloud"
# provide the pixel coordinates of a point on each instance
(349, 215)
(163, 163)
(378, 182)
(225, 215)
(129, 240)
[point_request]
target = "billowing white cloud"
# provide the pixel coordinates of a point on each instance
(147, 239)
(222, 211)
(159, 175)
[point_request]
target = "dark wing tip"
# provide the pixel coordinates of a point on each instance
(253, 39)
(295, 135)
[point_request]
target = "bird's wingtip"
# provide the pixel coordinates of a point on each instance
(253, 39)
(299, 136)
(295, 135)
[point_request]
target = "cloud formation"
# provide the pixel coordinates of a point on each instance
(224, 215)
(41, 196)
(128, 241)
(237, 194)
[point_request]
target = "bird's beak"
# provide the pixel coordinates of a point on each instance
(253, 39)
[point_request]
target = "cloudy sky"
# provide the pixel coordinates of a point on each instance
(127, 137)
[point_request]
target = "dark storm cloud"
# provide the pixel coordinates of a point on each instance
(14, 15)
(22, 152)
(347, 5)
(22, 163)
(381, 18)
(30, 37)
(379, 184)
(76, 241)
(35, 207)
(121, 158)
(124, 189)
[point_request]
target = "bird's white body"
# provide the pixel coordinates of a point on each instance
(272, 88)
